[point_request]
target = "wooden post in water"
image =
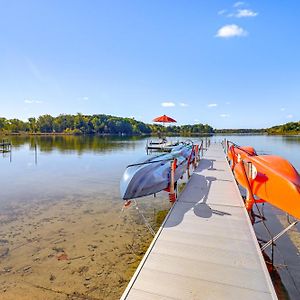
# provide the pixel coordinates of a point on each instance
(35, 151)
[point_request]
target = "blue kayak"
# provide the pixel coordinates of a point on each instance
(152, 174)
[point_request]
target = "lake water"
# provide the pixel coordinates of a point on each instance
(63, 234)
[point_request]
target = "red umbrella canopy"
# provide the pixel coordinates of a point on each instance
(164, 119)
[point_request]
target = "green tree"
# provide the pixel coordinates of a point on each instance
(32, 124)
(16, 125)
(45, 123)
(3, 124)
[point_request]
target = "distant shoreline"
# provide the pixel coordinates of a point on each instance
(6, 134)
(98, 134)
(108, 125)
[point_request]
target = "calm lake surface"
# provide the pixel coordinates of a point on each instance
(62, 231)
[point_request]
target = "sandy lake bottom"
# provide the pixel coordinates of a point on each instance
(74, 248)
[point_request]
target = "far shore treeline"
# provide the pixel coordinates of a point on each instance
(111, 125)
(94, 124)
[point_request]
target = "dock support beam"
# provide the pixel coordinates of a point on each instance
(196, 158)
(172, 194)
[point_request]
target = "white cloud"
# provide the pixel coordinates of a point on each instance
(222, 12)
(238, 11)
(238, 4)
(182, 104)
(224, 115)
(168, 104)
(244, 13)
(28, 101)
(212, 105)
(196, 120)
(290, 116)
(83, 99)
(232, 30)
(282, 108)
(227, 103)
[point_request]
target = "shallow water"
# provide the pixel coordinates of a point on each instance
(62, 234)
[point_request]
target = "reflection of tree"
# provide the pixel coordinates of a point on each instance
(292, 139)
(78, 144)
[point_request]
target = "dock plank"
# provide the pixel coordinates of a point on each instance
(206, 248)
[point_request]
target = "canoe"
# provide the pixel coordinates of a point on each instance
(151, 175)
(272, 179)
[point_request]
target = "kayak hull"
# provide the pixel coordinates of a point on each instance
(275, 181)
(153, 175)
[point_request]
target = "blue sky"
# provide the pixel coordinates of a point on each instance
(229, 64)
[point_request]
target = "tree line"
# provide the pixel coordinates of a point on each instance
(94, 124)
(288, 128)
(240, 131)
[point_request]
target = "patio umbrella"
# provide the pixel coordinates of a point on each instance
(164, 119)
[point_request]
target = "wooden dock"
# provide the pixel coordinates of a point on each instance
(5, 146)
(206, 247)
(160, 147)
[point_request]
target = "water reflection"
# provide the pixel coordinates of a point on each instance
(58, 166)
(78, 144)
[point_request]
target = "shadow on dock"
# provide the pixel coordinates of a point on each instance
(201, 186)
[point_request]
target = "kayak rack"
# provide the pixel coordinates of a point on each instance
(195, 154)
(250, 200)
(193, 159)
(276, 237)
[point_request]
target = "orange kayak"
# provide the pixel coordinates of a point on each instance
(271, 178)
(236, 153)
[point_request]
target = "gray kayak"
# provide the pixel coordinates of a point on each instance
(152, 174)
